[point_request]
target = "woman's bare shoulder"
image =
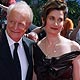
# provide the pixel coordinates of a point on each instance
(41, 42)
(74, 45)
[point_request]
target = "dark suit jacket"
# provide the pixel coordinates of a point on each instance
(7, 70)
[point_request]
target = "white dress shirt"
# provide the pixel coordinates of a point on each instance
(21, 54)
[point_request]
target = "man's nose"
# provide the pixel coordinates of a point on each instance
(16, 26)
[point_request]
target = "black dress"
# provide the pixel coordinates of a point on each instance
(56, 68)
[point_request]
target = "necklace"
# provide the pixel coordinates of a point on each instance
(50, 48)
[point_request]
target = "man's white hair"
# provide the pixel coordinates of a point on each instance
(21, 6)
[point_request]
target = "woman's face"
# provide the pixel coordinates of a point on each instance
(54, 22)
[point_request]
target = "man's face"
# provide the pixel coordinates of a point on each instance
(17, 24)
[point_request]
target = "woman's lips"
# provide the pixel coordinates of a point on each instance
(54, 28)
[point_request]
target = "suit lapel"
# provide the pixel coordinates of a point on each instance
(6, 56)
(29, 58)
(6, 49)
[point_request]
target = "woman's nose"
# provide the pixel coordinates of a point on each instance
(56, 23)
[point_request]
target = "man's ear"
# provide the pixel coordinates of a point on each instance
(7, 17)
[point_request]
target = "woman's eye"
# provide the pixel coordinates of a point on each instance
(60, 20)
(51, 18)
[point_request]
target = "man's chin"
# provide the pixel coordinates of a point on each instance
(16, 39)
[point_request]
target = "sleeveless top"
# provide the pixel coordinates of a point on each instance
(55, 68)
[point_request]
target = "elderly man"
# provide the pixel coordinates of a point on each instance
(15, 59)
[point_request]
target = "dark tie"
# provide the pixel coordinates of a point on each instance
(16, 60)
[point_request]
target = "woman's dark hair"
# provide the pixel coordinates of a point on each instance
(53, 5)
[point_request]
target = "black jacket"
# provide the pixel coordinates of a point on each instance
(7, 70)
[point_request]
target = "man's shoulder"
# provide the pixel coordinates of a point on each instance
(28, 41)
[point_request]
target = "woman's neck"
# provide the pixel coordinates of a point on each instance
(53, 39)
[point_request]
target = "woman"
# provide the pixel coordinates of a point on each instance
(53, 55)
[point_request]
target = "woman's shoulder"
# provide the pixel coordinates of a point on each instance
(41, 42)
(73, 44)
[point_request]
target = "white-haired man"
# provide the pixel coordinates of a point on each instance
(19, 18)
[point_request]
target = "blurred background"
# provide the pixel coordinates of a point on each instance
(73, 10)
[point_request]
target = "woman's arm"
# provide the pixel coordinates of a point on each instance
(76, 68)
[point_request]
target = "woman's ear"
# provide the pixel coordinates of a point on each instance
(42, 20)
(63, 28)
